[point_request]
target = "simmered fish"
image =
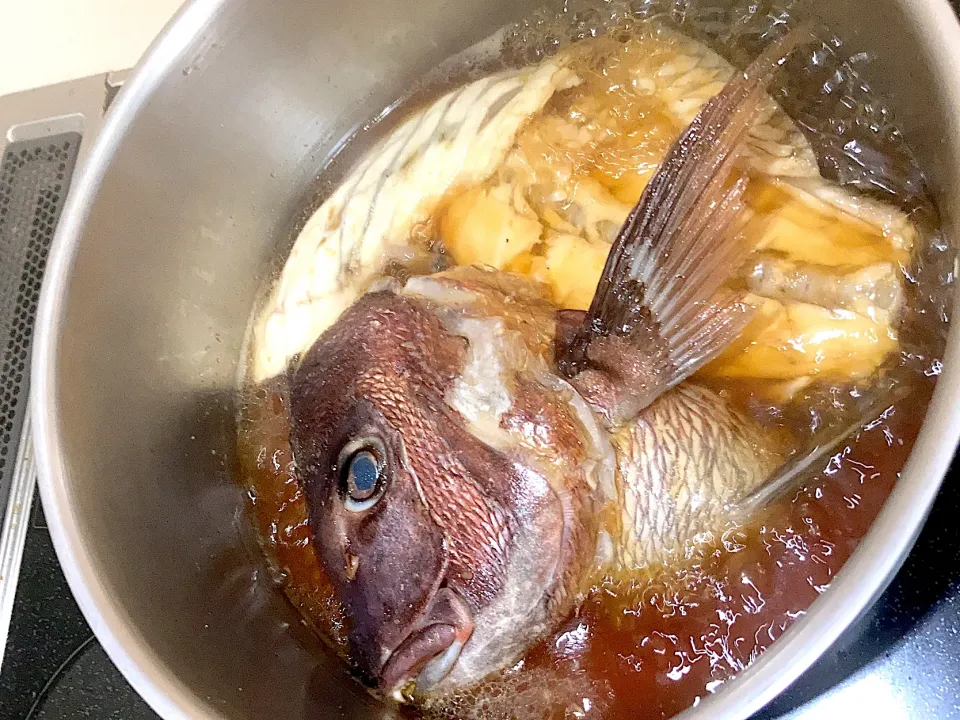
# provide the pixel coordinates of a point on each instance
(473, 452)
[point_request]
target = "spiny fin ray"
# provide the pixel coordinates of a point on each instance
(660, 291)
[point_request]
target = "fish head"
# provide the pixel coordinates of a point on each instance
(450, 556)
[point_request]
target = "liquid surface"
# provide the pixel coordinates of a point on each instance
(652, 644)
(651, 647)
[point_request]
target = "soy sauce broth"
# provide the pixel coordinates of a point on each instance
(653, 647)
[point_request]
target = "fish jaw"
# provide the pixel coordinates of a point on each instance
(431, 650)
(469, 552)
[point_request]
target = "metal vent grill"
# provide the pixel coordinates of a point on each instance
(34, 178)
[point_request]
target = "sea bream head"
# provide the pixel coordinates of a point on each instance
(452, 484)
(453, 433)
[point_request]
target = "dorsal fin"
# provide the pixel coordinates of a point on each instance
(659, 312)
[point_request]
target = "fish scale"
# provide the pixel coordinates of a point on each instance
(684, 459)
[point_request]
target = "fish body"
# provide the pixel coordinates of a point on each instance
(657, 481)
(474, 452)
(506, 489)
(471, 452)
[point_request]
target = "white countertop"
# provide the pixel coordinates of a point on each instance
(50, 41)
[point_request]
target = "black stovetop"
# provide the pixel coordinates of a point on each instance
(901, 661)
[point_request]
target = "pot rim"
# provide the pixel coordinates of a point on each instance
(864, 577)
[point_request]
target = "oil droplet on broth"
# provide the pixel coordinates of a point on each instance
(650, 645)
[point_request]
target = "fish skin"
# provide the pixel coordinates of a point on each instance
(680, 464)
(545, 425)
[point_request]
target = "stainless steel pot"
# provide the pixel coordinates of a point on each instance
(196, 177)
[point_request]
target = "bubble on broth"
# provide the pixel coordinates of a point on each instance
(651, 644)
(560, 691)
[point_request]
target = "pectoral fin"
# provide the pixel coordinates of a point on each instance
(660, 310)
(828, 441)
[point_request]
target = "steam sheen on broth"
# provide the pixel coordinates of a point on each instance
(852, 299)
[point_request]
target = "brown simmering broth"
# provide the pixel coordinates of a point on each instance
(648, 648)
(652, 644)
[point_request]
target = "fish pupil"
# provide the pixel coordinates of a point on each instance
(364, 475)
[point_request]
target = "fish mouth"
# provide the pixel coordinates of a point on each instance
(429, 652)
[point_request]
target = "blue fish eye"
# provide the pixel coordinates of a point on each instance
(362, 475)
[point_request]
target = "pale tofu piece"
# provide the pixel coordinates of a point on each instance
(795, 340)
(597, 211)
(482, 227)
(573, 268)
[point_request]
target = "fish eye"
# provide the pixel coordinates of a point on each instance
(362, 476)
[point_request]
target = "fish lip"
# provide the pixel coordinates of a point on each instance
(431, 650)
